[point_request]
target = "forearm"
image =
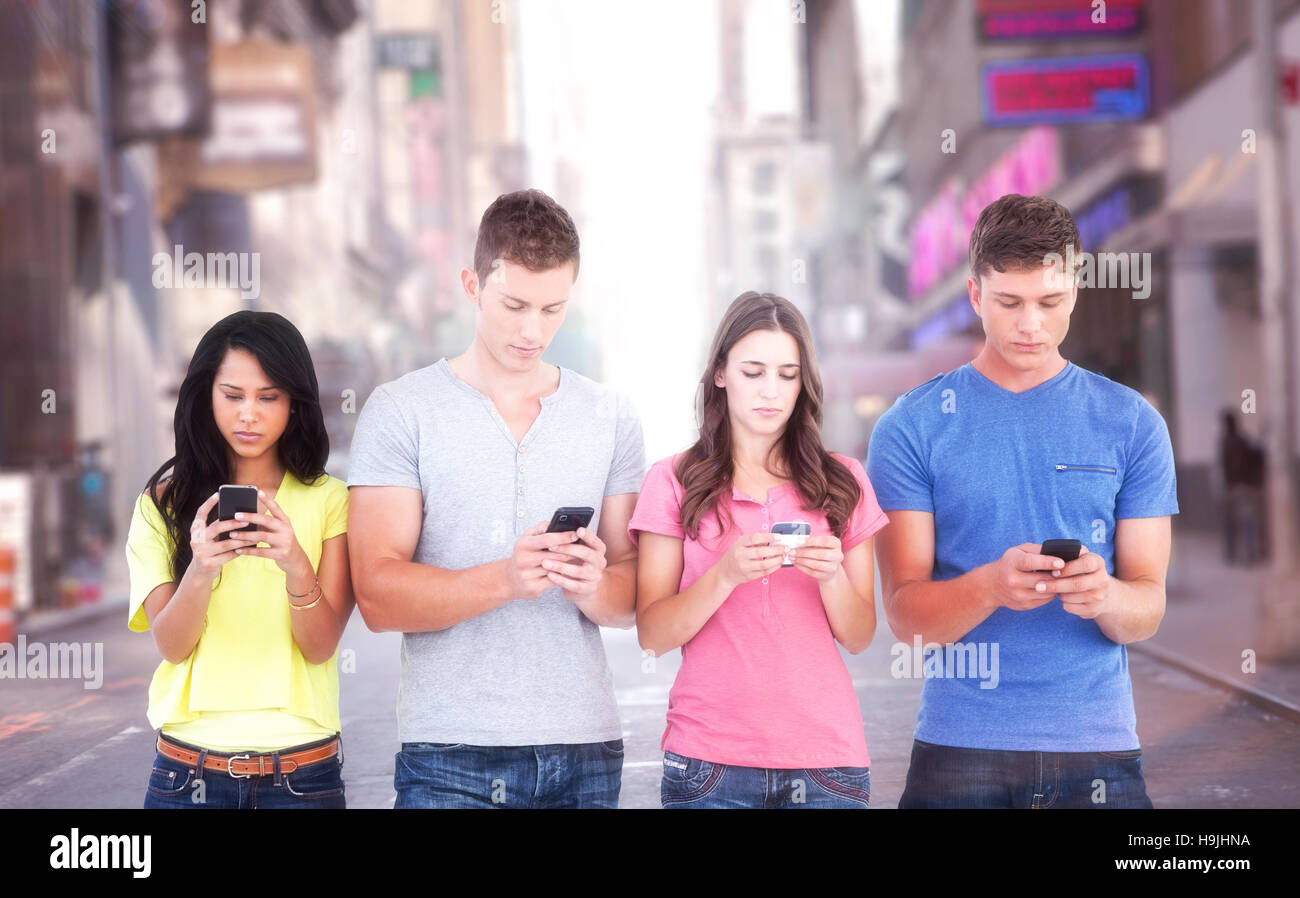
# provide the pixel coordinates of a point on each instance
(408, 597)
(941, 611)
(614, 603)
(1139, 608)
(316, 630)
(852, 616)
(671, 622)
(177, 628)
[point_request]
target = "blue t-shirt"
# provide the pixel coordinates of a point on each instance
(1065, 459)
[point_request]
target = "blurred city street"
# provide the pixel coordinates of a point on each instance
(1203, 745)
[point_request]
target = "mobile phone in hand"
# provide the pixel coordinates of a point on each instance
(570, 518)
(1065, 549)
(232, 499)
(791, 535)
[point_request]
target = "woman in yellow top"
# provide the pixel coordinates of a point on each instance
(246, 698)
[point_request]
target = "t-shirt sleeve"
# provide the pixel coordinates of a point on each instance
(1149, 489)
(628, 468)
(896, 464)
(336, 509)
(867, 518)
(385, 450)
(659, 507)
(148, 559)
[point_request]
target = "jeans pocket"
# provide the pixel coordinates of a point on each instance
(430, 746)
(1132, 754)
(612, 749)
(320, 780)
(681, 769)
(688, 779)
(168, 778)
(853, 783)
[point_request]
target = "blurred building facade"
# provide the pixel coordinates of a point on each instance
(338, 151)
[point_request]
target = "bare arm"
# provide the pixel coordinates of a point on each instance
(609, 560)
(1129, 606)
(943, 611)
(176, 612)
(395, 593)
(667, 618)
(317, 630)
(392, 591)
(847, 586)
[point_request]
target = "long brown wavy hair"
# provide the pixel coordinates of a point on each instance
(705, 470)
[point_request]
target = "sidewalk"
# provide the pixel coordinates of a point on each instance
(38, 623)
(1213, 614)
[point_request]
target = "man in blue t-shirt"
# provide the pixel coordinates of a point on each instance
(1027, 700)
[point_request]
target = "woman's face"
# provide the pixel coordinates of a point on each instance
(250, 411)
(762, 379)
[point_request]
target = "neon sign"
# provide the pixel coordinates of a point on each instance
(941, 231)
(1073, 89)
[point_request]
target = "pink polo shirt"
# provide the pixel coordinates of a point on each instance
(762, 684)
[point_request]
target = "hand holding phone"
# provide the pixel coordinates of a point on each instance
(790, 535)
(1065, 549)
(570, 518)
(232, 499)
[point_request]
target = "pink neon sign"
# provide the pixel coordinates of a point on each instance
(941, 231)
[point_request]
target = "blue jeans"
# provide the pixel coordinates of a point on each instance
(456, 775)
(941, 776)
(175, 785)
(692, 783)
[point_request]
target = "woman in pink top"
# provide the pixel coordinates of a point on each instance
(763, 712)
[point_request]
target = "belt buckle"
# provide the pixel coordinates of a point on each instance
(229, 770)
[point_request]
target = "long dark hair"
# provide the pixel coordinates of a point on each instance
(705, 470)
(202, 460)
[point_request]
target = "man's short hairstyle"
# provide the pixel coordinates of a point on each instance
(1016, 232)
(526, 228)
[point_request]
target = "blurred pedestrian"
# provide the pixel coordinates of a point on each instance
(247, 620)
(1241, 465)
(763, 712)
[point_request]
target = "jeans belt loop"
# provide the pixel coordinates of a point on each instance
(275, 758)
(198, 766)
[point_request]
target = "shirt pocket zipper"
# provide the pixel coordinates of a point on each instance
(1100, 468)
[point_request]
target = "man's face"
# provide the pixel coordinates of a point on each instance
(1026, 314)
(519, 311)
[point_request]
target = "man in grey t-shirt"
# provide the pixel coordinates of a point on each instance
(506, 699)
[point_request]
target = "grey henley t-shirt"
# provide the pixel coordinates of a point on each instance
(532, 671)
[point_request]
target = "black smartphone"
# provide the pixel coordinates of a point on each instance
(232, 499)
(567, 519)
(1065, 549)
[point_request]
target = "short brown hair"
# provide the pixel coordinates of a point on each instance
(527, 228)
(1016, 232)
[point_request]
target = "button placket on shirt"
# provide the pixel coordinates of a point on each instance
(766, 589)
(519, 479)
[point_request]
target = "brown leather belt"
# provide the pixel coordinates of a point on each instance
(246, 764)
